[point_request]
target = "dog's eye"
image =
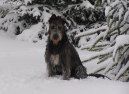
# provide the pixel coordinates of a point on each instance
(53, 27)
(59, 27)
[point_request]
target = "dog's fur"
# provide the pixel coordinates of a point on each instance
(61, 57)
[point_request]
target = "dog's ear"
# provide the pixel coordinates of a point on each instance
(53, 17)
(64, 21)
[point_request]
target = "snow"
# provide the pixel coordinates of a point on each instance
(46, 16)
(23, 71)
(35, 12)
(108, 1)
(121, 40)
(87, 4)
(97, 54)
(121, 12)
(23, 10)
(2, 2)
(126, 17)
(107, 10)
(121, 71)
(31, 34)
(116, 2)
(27, 1)
(91, 31)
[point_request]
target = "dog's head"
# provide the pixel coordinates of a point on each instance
(56, 29)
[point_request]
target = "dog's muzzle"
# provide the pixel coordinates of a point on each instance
(55, 37)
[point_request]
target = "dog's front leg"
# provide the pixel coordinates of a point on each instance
(66, 73)
(66, 69)
(50, 70)
(49, 64)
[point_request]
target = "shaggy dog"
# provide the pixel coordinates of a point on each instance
(61, 57)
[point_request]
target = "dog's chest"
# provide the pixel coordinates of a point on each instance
(55, 59)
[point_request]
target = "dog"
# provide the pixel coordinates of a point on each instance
(61, 57)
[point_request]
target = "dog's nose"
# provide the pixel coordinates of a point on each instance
(55, 36)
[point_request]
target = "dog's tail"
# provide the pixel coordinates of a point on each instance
(98, 75)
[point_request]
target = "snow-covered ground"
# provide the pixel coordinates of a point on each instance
(23, 71)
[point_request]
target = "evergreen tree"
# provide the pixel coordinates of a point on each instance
(110, 42)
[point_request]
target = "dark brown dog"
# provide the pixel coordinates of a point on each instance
(61, 57)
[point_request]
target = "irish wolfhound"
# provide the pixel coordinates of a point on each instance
(61, 57)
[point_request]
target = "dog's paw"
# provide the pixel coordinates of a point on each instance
(81, 72)
(66, 78)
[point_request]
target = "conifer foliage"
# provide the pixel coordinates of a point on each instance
(111, 41)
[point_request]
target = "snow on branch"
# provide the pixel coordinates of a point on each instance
(121, 41)
(117, 16)
(111, 41)
(91, 31)
(101, 66)
(98, 54)
(98, 45)
(27, 1)
(122, 70)
(98, 38)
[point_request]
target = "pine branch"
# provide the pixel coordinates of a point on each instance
(98, 54)
(100, 67)
(122, 70)
(91, 31)
(110, 65)
(104, 58)
(97, 39)
(99, 45)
